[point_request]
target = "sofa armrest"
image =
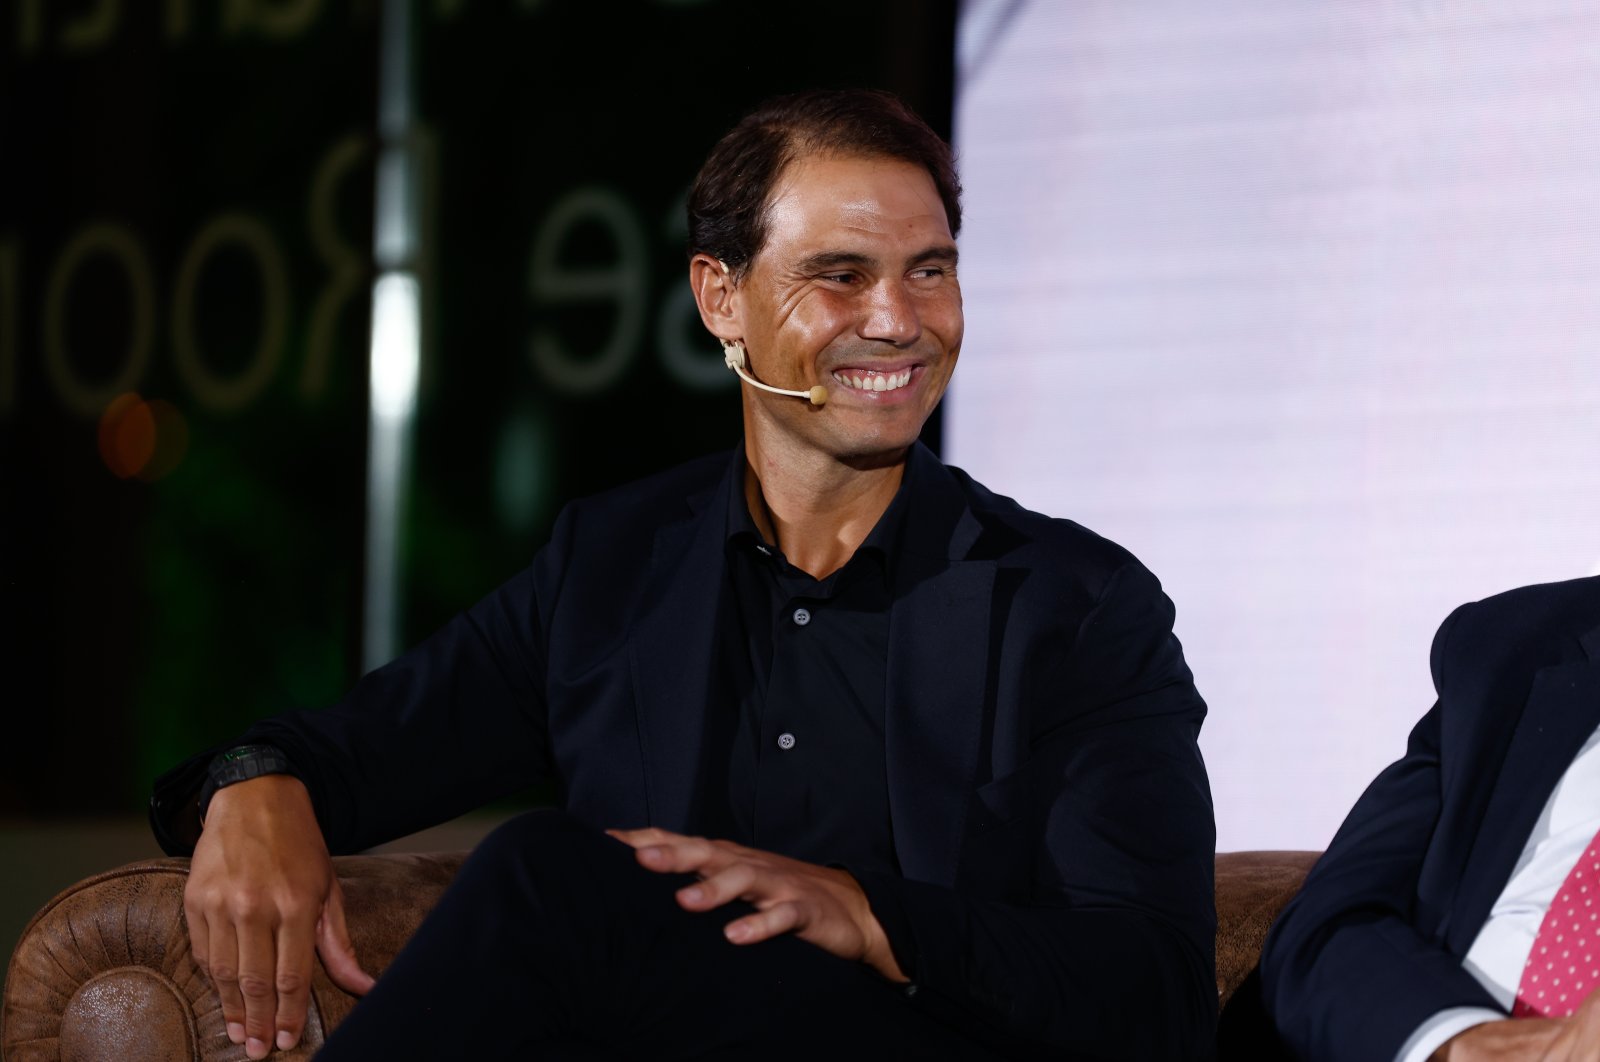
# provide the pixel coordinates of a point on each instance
(104, 970)
(1252, 887)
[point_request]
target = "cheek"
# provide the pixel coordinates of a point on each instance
(816, 319)
(942, 316)
(949, 341)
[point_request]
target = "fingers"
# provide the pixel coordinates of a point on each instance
(1559, 1050)
(649, 835)
(258, 974)
(821, 905)
(1523, 1038)
(685, 855)
(199, 935)
(338, 953)
(780, 918)
(744, 881)
(293, 980)
(1581, 1037)
(263, 973)
(739, 881)
(222, 966)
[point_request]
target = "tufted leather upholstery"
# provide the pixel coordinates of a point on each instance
(104, 970)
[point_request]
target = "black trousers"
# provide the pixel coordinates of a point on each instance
(553, 943)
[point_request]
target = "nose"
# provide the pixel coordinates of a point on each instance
(890, 314)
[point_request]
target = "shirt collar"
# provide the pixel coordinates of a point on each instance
(883, 542)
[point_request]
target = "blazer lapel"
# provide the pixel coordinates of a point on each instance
(936, 679)
(1563, 709)
(674, 653)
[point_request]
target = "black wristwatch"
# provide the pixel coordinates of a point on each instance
(240, 764)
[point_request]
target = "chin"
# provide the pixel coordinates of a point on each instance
(878, 448)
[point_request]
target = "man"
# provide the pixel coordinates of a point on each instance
(1455, 893)
(875, 748)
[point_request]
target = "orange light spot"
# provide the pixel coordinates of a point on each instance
(127, 435)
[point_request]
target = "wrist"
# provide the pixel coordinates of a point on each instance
(881, 957)
(877, 952)
(263, 807)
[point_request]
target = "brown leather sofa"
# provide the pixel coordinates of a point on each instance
(104, 971)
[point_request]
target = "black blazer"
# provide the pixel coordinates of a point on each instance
(1050, 809)
(1372, 945)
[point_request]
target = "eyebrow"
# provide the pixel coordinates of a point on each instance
(825, 260)
(942, 252)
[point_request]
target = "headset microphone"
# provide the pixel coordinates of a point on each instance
(733, 356)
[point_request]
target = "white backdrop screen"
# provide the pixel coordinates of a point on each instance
(1300, 303)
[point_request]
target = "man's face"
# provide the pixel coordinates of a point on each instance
(855, 289)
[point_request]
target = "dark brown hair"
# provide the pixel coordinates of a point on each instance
(728, 201)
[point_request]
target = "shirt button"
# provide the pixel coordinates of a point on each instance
(801, 617)
(786, 741)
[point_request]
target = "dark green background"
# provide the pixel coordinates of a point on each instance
(141, 621)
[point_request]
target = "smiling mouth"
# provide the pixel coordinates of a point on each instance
(872, 379)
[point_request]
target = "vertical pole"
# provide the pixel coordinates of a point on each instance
(396, 348)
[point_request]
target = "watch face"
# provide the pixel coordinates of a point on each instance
(240, 752)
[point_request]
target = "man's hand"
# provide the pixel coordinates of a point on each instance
(1531, 1039)
(820, 905)
(261, 895)
(1494, 1041)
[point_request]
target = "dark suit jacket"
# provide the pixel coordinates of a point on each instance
(1049, 806)
(1372, 945)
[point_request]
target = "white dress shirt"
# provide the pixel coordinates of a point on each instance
(1570, 820)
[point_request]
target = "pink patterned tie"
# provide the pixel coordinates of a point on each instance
(1562, 967)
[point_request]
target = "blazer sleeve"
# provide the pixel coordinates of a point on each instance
(1107, 951)
(454, 723)
(1346, 972)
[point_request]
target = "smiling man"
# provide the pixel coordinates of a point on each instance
(854, 755)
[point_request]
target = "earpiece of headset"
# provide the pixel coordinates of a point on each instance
(734, 357)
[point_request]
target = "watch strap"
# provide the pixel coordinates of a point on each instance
(240, 764)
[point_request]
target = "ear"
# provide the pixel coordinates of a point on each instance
(716, 294)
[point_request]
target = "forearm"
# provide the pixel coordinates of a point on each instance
(1347, 972)
(452, 724)
(1360, 983)
(434, 734)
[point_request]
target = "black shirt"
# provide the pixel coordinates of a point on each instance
(806, 663)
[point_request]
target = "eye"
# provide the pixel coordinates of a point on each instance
(839, 278)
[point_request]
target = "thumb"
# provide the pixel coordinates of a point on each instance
(333, 944)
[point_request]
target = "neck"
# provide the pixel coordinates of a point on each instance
(816, 508)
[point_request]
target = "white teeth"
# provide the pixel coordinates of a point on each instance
(874, 381)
